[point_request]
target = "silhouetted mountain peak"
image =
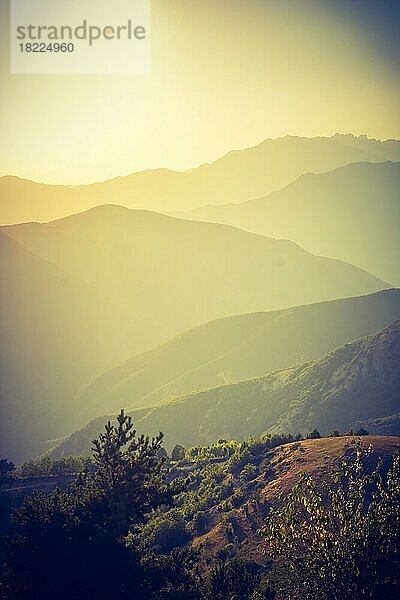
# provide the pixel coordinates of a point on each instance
(238, 176)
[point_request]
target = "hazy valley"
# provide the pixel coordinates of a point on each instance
(137, 278)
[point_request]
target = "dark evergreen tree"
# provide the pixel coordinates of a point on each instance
(71, 544)
(6, 468)
(178, 453)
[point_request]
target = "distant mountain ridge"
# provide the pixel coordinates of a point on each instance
(172, 274)
(351, 213)
(238, 176)
(237, 348)
(357, 382)
(138, 278)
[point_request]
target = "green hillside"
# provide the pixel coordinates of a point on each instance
(240, 175)
(237, 348)
(357, 382)
(351, 213)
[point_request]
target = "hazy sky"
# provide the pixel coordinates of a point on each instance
(225, 74)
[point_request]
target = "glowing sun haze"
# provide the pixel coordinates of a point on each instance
(225, 74)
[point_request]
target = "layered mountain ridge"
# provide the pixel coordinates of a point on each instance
(238, 176)
(351, 213)
(356, 382)
(237, 348)
(136, 279)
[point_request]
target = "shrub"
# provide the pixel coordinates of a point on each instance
(165, 531)
(233, 578)
(248, 473)
(314, 435)
(362, 431)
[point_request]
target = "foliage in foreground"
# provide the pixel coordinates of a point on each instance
(67, 544)
(340, 540)
(79, 543)
(121, 531)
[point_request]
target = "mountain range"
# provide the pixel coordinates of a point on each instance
(254, 320)
(159, 275)
(239, 176)
(357, 382)
(237, 348)
(113, 282)
(351, 213)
